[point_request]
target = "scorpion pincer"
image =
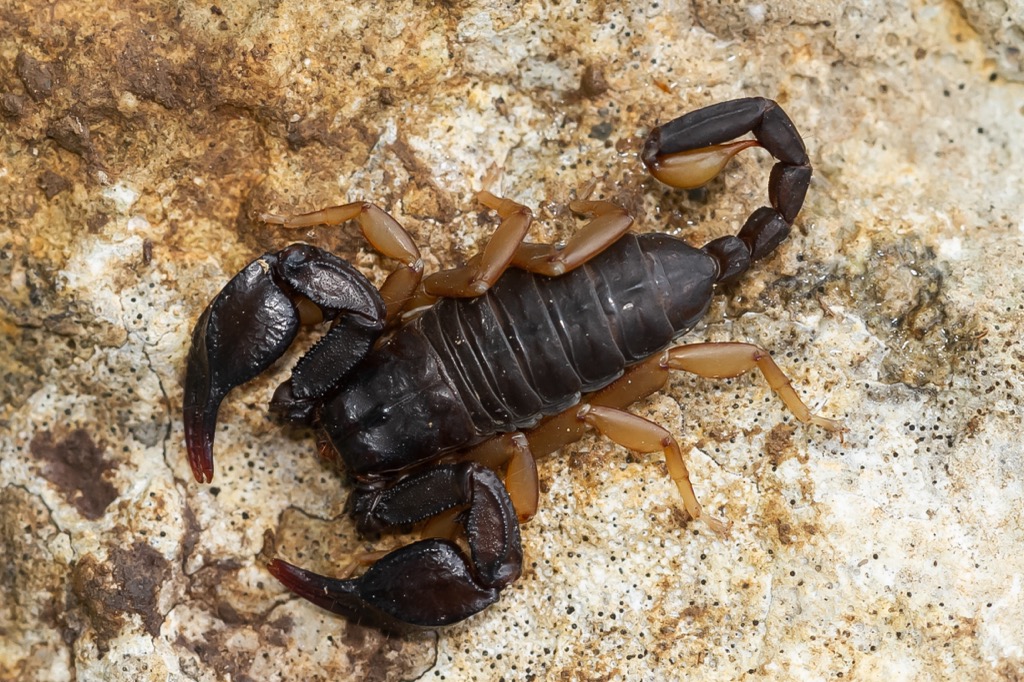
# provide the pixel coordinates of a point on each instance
(438, 418)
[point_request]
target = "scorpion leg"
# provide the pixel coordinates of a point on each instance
(712, 360)
(610, 221)
(253, 321)
(482, 271)
(384, 234)
(643, 435)
(605, 411)
(506, 247)
(512, 451)
(690, 150)
(430, 582)
(727, 360)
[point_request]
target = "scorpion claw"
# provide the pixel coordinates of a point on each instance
(431, 582)
(253, 321)
(426, 584)
(243, 331)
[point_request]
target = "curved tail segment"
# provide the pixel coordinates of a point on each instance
(253, 321)
(689, 151)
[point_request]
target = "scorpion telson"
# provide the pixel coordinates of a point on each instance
(438, 418)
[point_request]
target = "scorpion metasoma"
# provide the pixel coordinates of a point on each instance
(438, 411)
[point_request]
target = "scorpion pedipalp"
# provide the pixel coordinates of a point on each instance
(431, 582)
(401, 589)
(253, 321)
(245, 328)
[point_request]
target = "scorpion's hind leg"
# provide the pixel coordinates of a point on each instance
(689, 151)
(253, 321)
(431, 582)
(728, 359)
(605, 409)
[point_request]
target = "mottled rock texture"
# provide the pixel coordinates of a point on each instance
(140, 141)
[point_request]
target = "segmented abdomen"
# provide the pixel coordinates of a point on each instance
(531, 345)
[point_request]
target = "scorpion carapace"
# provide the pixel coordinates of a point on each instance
(438, 414)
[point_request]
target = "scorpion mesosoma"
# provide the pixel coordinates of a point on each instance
(526, 346)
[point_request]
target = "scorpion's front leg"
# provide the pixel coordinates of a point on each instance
(384, 234)
(254, 319)
(431, 582)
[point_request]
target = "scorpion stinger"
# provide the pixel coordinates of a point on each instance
(253, 321)
(689, 151)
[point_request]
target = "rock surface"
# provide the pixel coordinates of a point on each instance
(139, 143)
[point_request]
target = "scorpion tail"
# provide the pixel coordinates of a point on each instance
(253, 321)
(690, 150)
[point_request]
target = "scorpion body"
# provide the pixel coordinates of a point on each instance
(521, 350)
(526, 349)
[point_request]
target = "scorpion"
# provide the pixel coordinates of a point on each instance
(437, 412)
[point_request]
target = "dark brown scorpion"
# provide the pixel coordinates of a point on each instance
(525, 347)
